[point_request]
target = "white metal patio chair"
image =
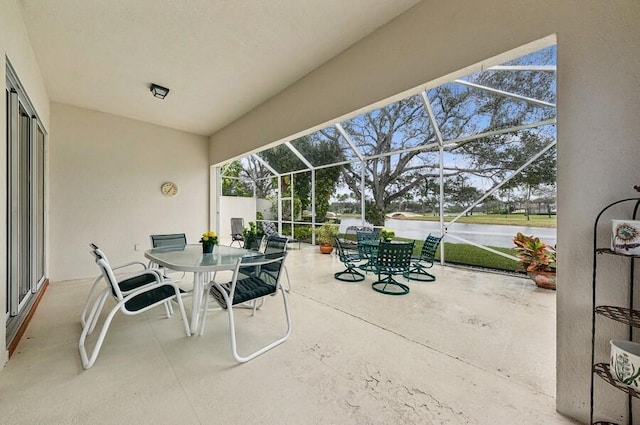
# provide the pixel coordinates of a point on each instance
(237, 228)
(245, 288)
(134, 294)
(97, 281)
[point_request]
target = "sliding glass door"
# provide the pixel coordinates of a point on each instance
(25, 204)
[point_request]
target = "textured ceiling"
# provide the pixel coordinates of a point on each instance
(220, 58)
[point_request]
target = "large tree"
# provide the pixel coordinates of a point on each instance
(461, 110)
(389, 178)
(461, 193)
(253, 172)
(233, 184)
(507, 153)
(400, 142)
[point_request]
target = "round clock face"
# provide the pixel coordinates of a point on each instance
(169, 189)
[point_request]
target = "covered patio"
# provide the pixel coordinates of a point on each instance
(88, 148)
(452, 351)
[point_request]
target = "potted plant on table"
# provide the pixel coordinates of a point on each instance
(208, 241)
(538, 259)
(387, 235)
(325, 235)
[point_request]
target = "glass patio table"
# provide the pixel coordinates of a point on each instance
(190, 258)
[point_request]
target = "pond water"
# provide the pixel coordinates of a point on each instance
(483, 234)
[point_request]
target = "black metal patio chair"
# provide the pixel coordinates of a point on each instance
(393, 259)
(349, 258)
(424, 261)
(367, 251)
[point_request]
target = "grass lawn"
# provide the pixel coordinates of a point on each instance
(509, 220)
(457, 253)
(538, 220)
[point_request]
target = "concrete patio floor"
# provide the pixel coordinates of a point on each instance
(470, 348)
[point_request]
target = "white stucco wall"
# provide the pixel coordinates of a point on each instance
(16, 47)
(597, 101)
(235, 206)
(105, 178)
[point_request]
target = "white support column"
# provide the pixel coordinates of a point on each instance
(313, 205)
(215, 192)
(279, 203)
(362, 185)
(432, 119)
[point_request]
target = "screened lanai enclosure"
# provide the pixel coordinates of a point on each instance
(479, 145)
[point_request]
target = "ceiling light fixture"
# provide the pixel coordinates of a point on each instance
(159, 91)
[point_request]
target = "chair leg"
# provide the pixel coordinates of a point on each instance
(94, 316)
(205, 306)
(369, 266)
(232, 332)
(88, 361)
(257, 305)
(254, 305)
(419, 273)
(349, 275)
(85, 308)
(168, 308)
(286, 273)
(389, 286)
(183, 313)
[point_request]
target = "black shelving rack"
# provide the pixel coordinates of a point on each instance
(622, 314)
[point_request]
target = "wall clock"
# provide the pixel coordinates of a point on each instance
(169, 189)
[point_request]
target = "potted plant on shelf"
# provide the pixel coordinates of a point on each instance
(538, 259)
(208, 241)
(325, 235)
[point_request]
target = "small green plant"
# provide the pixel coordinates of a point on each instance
(534, 255)
(325, 233)
(252, 236)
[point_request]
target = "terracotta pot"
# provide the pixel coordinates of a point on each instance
(546, 280)
(326, 249)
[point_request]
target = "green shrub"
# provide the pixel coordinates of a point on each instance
(302, 233)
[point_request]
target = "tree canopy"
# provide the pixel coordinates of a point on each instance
(490, 124)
